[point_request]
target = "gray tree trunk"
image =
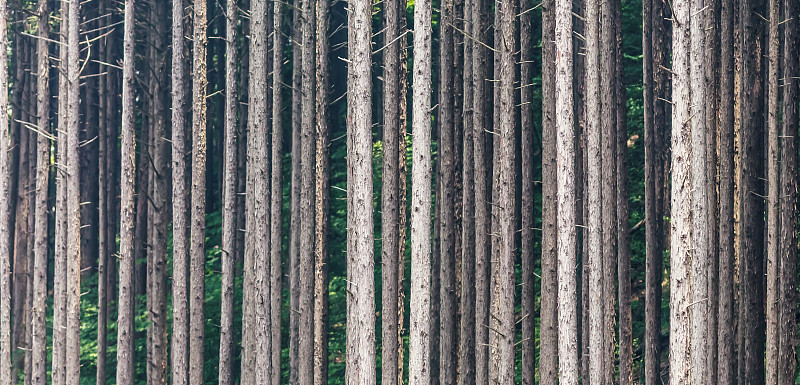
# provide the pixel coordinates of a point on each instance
(294, 239)
(276, 211)
(773, 191)
(5, 237)
(528, 345)
(360, 239)
(419, 344)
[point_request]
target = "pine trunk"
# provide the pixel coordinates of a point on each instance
(5, 233)
(773, 191)
(294, 239)
(276, 211)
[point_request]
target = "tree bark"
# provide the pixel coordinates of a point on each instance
(230, 253)
(528, 360)
(448, 357)
(39, 308)
(276, 222)
(360, 239)
(419, 345)
(180, 252)
(788, 193)
(198, 193)
(725, 333)
(773, 191)
(711, 68)
(294, 245)
(322, 197)
(5, 238)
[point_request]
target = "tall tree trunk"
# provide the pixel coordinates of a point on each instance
(681, 219)
(751, 188)
(294, 239)
(360, 238)
(125, 329)
(788, 193)
(565, 169)
(305, 307)
(322, 196)
(773, 191)
(198, 209)
(448, 357)
(104, 209)
(180, 251)
(501, 334)
(39, 289)
(466, 349)
(548, 350)
(726, 374)
(276, 222)
(419, 344)
(257, 357)
(482, 221)
(528, 328)
(390, 207)
(230, 253)
(711, 68)
(5, 233)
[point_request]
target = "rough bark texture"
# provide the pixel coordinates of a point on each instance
(305, 356)
(197, 256)
(419, 346)
(773, 191)
(180, 254)
(726, 373)
(751, 190)
(229, 251)
(38, 375)
(526, 201)
(711, 68)
(360, 239)
(565, 168)
(322, 197)
(294, 245)
(788, 194)
(466, 358)
(390, 205)
(127, 186)
(448, 353)
(5, 238)
(548, 355)
(104, 245)
(276, 211)
(681, 240)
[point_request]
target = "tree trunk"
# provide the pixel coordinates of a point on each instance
(39, 289)
(391, 259)
(180, 260)
(527, 214)
(788, 193)
(726, 374)
(104, 204)
(773, 191)
(230, 253)
(419, 344)
(681, 217)
(322, 197)
(548, 350)
(294, 245)
(276, 222)
(5, 233)
(360, 239)
(448, 357)
(125, 329)
(198, 193)
(305, 307)
(711, 67)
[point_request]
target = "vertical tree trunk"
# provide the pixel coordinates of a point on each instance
(230, 253)
(294, 245)
(402, 154)
(360, 261)
(419, 346)
(726, 374)
(501, 335)
(198, 209)
(773, 186)
(751, 188)
(681, 219)
(128, 156)
(180, 252)
(276, 222)
(448, 357)
(565, 169)
(711, 68)
(39, 310)
(257, 356)
(527, 216)
(305, 353)
(5, 238)
(390, 231)
(788, 193)
(322, 197)
(104, 209)
(548, 351)
(466, 349)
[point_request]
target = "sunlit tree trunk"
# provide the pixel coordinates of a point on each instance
(5, 238)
